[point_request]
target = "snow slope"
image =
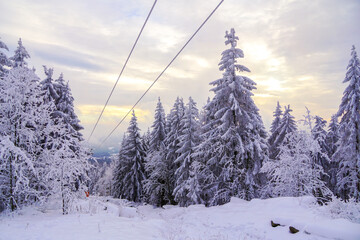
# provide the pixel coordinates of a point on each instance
(106, 218)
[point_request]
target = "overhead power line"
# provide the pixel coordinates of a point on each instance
(162, 72)
(112, 90)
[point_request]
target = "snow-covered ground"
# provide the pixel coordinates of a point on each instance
(106, 218)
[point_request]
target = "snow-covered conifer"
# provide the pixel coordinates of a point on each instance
(274, 130)
(234, 143)
(172, 141)
(319, 134)
(120, 170)
(65, 107)
(287, 125)
(322, 158)
(20, 55)
(157, 185)
(22, 120)
(189, 138)
(296, 173)
(67, 172)
(332, 136)
(48, 87)
(348, 153)
(134, 158)
(146, 140)
(277, 118)
(158, 133)
(4, 61)
(174, 129)
(332, 139)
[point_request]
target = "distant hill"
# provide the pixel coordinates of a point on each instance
(103, 157)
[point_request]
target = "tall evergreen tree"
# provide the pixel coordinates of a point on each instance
(4, 61)
(158, 133)
(157, 185)
(120, 171)
(319, 134)
(65, 107)
(348, 153)
(172, 135)
(20, 55)
(172, 141)
(146, 140)
(287, 125)
(322, 158)
(277, 118)
(274, 130)
(332, 139)
(64, 152)
(332, 136)
(133, 157)
(185, 191)
(67, 170)
(234, 140)
(22, 121)
(48, 87)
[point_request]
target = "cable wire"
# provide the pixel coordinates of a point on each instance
(162, 73)
(112, 90)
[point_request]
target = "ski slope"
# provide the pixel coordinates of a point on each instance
(107, 218)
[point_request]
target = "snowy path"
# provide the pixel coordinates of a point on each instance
(237, 220)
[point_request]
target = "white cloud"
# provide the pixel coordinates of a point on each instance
(296, 50)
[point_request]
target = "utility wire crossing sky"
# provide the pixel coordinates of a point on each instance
(297, 52)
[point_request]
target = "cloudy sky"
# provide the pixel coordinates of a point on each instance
(297, 52)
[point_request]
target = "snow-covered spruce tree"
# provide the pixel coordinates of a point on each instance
(146, 140)
(287, 125)
(234, 143)
(20, 55)
(64, 143)
(48, 87)
(134, 158)
(296, 173)
(157, 185)
(348, 153)
(67, 172)
(203, 115)
(319, 134)
(277, 118)
(332, 138)
(120, 171)
(322, 158)
(274, 130)
(23, 117)
(4, 61)
(174, 128)
(186, 186)
(65, 107)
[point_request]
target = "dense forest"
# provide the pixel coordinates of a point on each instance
(189, 156)
(223, 150)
